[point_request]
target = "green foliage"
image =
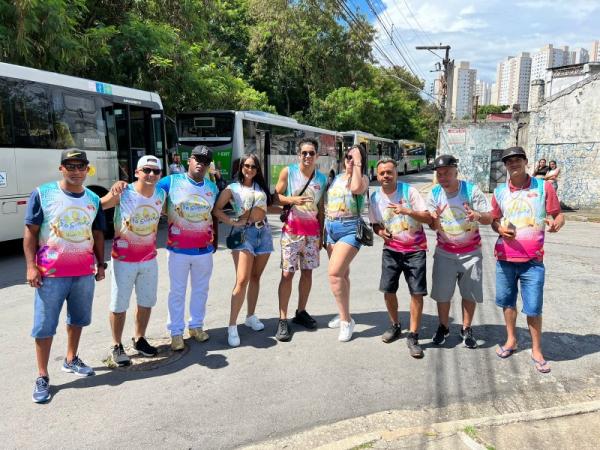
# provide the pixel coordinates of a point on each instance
(484, 110)
(296, 58)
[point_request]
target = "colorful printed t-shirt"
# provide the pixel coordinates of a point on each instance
(458, 234)
(524, 209)
(302, 220)
(136, 223)
(243, 198)
(189, 207)
(340, 201)
(407, 233)
(66, 242)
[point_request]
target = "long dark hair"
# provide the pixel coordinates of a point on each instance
(363, 156)
(258, 178)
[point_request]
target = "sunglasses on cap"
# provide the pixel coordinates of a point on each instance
(148, 170)
(72, 167)
(250, 166)
(307, 153)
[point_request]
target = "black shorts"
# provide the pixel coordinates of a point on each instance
(413, 264)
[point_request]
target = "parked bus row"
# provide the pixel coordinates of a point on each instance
(43, 113)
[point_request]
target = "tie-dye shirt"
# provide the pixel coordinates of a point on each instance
(341, 202)
(458, 234)
(189, 210)
(136, 223)
(66, 242)
(302, 220)
(243, 198)
(407, 233)
(524, 210)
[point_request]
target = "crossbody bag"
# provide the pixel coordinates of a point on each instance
(237, 235)
(287, 208)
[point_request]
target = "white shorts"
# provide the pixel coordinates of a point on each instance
(126, 275)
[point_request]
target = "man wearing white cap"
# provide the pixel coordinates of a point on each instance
(137, 211)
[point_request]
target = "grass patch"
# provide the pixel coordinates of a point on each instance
(471, 431)
(365, 445)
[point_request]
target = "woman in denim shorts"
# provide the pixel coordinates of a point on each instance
(345, 201)
(250, 198)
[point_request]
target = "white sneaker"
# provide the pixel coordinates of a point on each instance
(232, 336)
(335, 322)
(346, 329)
(254, 323)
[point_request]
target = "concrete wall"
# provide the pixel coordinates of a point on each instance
(566, 128)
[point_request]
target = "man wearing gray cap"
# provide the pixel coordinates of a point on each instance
(192, 239)
(521, 209)
(457, 208)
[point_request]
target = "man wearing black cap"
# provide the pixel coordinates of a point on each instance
(63, 244)
(192, 239)
(457, 207)
(521, 209)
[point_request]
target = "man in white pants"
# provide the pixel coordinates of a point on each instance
(192, 239)
(137, 211)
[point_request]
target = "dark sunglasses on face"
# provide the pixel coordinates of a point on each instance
(72, 167)
(147, 171)
(348, 156)
(307, 154)
(201, 160)
(250, 166)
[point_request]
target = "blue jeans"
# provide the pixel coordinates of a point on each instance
(342, 230)
(49, 299)
(530, 275)
(259, 241)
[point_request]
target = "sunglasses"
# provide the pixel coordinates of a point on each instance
(348, 156)
(71, 167)
(307, 154)
(148, 170)
(250, 166)
(202, 160)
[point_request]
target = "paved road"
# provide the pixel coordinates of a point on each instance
(218, 397)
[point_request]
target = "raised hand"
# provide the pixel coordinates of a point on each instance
(399, 208)
(472, 216)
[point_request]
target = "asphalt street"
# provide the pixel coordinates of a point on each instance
(220, 397)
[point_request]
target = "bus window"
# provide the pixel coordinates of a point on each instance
(78, 122)
(31, 116)
(157, 129)
(5, 126)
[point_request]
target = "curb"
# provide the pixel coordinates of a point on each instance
(456, 426)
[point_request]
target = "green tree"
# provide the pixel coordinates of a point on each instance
(484, 110)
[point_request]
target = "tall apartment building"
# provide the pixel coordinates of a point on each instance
(579, 56)
(595, 51)
(512, 81)
(548, 57)
(483, 90)
(463, 90)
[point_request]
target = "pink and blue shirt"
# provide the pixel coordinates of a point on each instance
(302, 220)
(340, 201)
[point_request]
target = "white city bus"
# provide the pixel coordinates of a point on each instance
(42, 113)
(411, 156)
(377, 147)
(273, 138)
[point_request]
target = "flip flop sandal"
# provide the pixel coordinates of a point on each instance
(505, 352)
(541, 366)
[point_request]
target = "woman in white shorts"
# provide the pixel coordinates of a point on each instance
(250, 198)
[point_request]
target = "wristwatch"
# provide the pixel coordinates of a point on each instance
(104, 265)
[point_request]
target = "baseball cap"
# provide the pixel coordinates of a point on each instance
(445, 161)
(513, 151)
(73, 154)
(149, 160)
(203, 151)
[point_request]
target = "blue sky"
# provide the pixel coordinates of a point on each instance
(482, 32)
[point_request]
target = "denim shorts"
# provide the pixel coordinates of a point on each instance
(342, 230)
(259, 241)
(530, 275)
(49, 298)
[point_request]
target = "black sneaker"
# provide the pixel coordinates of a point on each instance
(412, 342)
(440, 335)
(392, 333)
(283, 331)
(467, 337)
(303, 318)
(143, 348)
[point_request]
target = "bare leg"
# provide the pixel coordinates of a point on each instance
(73, 336)
(444, 312)
(535, 329)
(243, 261)
(142, 317)
(339, 273)
(42, 353)
(285, 291)
(391, 303)
(416, 311)
(468, 310)
(304, 288)
(510, 317)
(260, 262)
(117, 323)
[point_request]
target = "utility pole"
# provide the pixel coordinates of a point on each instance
(448, 67)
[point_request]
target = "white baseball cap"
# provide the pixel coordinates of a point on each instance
(149, 160)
